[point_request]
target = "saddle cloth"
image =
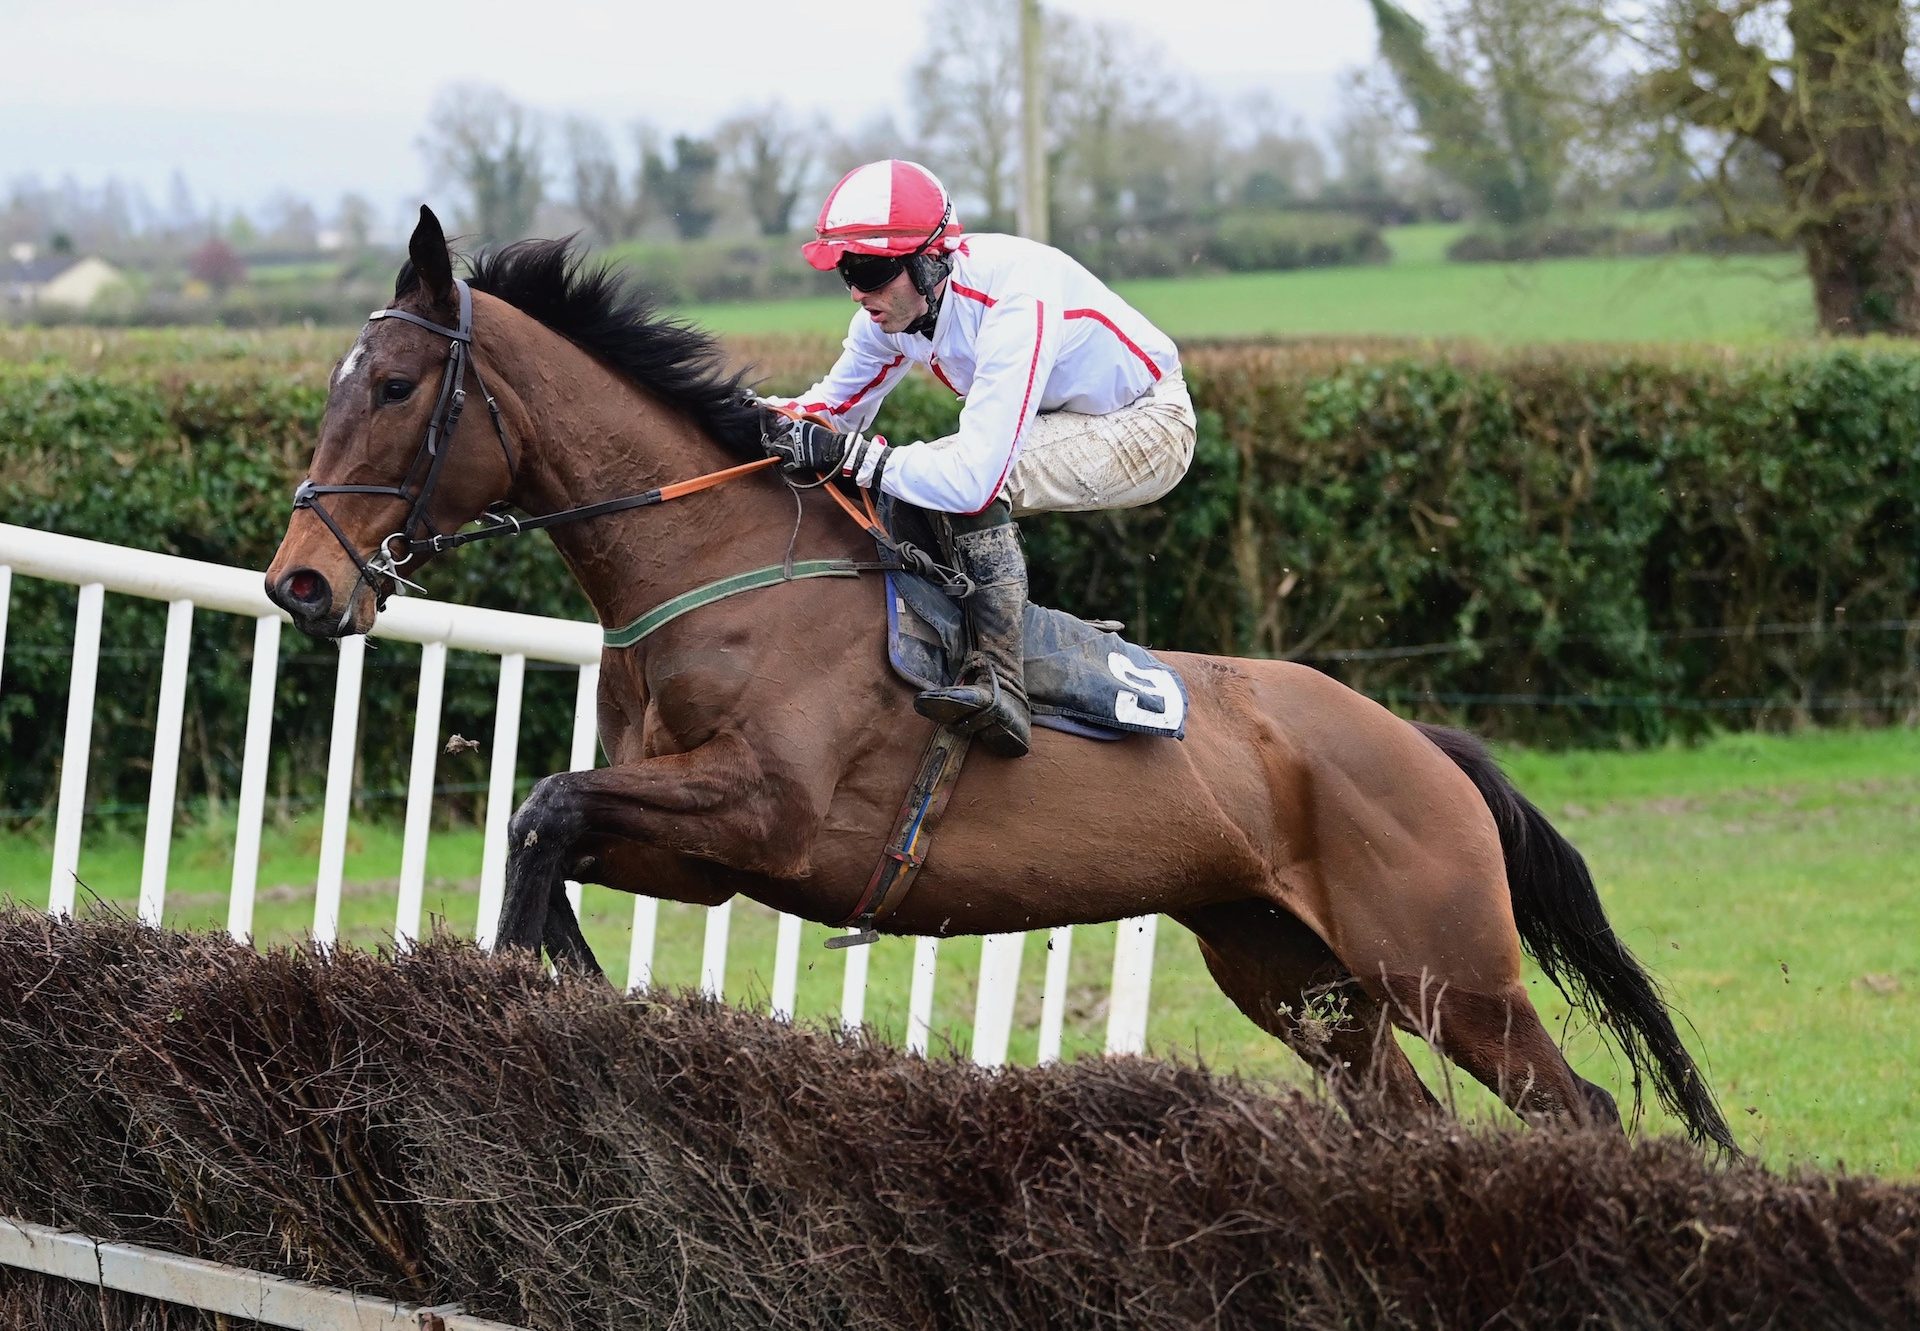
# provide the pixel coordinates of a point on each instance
(1080, 679)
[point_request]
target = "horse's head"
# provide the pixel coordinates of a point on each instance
(400, 458)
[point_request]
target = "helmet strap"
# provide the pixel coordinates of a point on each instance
(927, 272)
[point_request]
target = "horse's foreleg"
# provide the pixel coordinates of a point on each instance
(713, 803)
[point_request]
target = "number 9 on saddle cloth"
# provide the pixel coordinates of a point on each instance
(1081, 678)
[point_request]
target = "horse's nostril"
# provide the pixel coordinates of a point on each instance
(304, 590)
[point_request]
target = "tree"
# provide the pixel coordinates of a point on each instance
(217, 264)
(769, 157)
(1827, 91)
(1502, 93)
(1278, 163)
(594, 180)
(1134, 145)
(354, 220)
(684, 188)
(968, 98)
(289, 221)
(482, 141)
(1373, 150)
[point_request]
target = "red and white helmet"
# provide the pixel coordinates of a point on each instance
(891, 208)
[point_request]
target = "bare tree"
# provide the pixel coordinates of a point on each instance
(684, 188)
(877, 137)
(288, 221)
(482, 141)
(1827, 91)
(354, 219)
(1276, 160)
(769, 155)
(1132, 142)
(593, 176)
(968, 84)
(1374, 142)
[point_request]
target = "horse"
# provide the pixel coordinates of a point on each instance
(1329, 856)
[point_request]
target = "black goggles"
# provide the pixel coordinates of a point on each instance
(869, 272)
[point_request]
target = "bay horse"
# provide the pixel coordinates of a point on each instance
(1329, 856)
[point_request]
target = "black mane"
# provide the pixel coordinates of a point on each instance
(595, 308)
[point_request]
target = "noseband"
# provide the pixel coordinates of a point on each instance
(417, 533)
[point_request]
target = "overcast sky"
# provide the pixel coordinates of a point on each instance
(249, 98)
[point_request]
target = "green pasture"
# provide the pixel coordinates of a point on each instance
(1770, 882)
(1420, 295)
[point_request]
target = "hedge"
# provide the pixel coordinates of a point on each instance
(1558, 546)
(454, 1126)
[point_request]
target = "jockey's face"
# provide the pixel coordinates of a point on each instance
(894, 305)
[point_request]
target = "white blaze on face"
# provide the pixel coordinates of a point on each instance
(352, 361)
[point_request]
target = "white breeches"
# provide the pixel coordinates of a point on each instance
(1072, 462)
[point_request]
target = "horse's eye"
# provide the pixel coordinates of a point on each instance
(396, 390)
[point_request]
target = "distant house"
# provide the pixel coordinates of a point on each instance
(28, 280)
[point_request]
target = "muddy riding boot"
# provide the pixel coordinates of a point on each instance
(990, 696)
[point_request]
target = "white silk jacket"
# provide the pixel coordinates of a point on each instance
(1023, 329)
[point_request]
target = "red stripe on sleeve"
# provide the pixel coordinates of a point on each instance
(1114, 328)
(872, 384)
(971, 294)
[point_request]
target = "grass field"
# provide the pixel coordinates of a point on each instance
(1771, 883)
(1672, 298)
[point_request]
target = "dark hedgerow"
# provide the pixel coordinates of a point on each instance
(450, 1126)
(1556, 546)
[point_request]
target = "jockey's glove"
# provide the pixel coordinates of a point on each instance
(806, 446)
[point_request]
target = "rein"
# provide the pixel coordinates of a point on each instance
(417, 534)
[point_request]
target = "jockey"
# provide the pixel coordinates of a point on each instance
(1073, 401)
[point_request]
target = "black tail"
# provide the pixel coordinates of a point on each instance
(1564, 929)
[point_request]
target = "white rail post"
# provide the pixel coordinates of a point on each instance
(419, 822)
(1053, 1002)
(713, 953)
(1132, 984)
(166, 761)
(253, 777)
(6, 594)
(853, 986)
(926, 956)
(339, 802)
(586, 743)
(73, 761)
(993, 1005)
(506, 753)
(786, 967)
(646, 923)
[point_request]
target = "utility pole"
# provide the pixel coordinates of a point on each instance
(1033, 148)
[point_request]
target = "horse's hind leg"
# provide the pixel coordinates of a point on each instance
(1499, 1039)
(1287, 981)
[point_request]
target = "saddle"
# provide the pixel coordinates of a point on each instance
(1082, 678)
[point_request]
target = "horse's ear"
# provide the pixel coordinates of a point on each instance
(431, 261)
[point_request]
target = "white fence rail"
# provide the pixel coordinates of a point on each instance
(186, 585)
(231, 1291)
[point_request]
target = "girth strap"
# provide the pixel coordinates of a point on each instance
(906, 848)
(667, 611)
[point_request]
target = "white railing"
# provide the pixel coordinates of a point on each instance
(187, 585)
(232, 1291)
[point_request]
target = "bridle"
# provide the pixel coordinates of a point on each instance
(417, 532)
